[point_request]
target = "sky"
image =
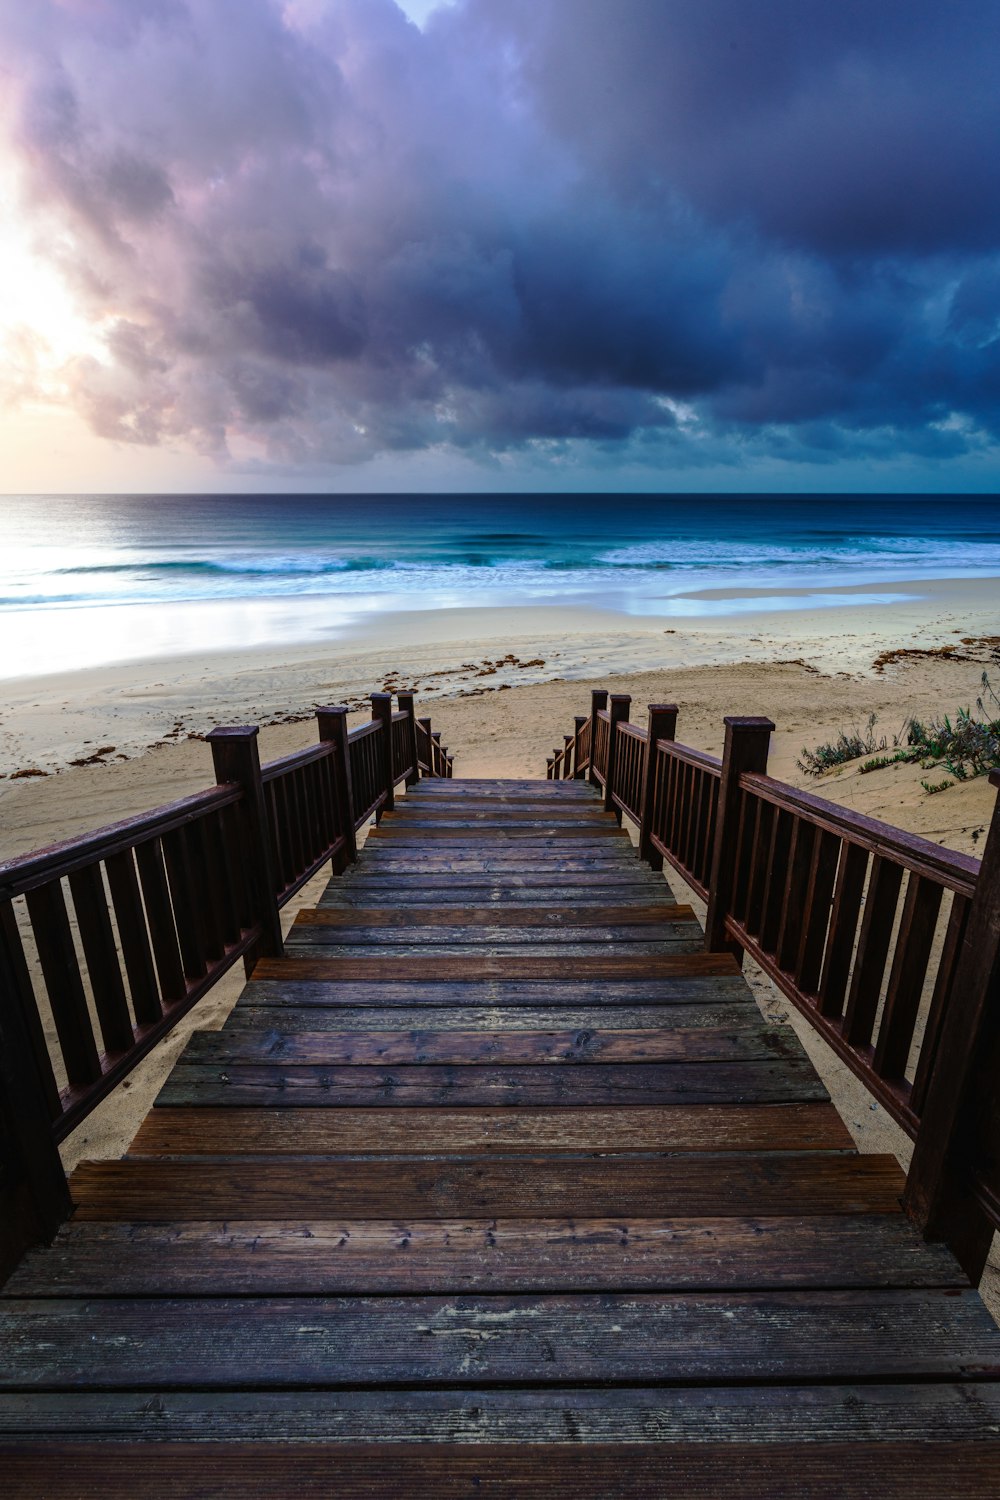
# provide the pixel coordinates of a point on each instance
(352, 245)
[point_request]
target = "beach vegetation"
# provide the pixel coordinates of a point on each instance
(930, 787)
(966, 744)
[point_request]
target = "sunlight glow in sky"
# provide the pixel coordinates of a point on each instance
(279, 244)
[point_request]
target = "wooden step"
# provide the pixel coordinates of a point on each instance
(542, 1048)
(284, 990)
(315, 1132)
(509, 966)
(486, 1186)
(348, 1256)
(455, 916)
(574, 1468)
(281, 1085)
(471, 1340)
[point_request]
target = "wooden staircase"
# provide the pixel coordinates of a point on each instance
(495, 1184)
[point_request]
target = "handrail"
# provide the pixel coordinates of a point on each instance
(957, 872)
(108, 938)
(26, 871)
(888, 943)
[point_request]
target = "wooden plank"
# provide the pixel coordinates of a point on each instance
(281, 1086)
(346, 1018)
(508, 967)
(646, 939)
(472, 916)
(628, 873)
(339, 1256)
(582, 1047)
(344, 994)
(63, 982)
(322, 1132)
(466, 1341)
(493, 897)
(731, 1415)
(913, 1470)
(488, 1186)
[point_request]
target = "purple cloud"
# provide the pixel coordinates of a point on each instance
(315, 225)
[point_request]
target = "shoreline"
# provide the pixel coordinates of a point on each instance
(125, 709)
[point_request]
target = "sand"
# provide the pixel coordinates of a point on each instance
(503, 699)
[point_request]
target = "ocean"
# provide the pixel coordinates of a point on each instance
(86, 580)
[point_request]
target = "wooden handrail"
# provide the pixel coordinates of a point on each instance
(888, 943)
(119, 932)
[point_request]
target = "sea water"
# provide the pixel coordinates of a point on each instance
(86, 580)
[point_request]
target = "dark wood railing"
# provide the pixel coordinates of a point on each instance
(107, 940)
(888, 943)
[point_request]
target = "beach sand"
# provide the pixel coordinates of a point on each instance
(503, 699)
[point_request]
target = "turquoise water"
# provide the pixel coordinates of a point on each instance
(90, 579)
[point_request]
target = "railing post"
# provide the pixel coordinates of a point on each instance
(618, 705)
(332, 725)
(236, 757)
(382, 711)
(578, 722)
(405, 701)
(662, 726)
(34, 1197)
(598, 700)
(550, 768)
(745, 750)
(962, 1089)
(567, 760)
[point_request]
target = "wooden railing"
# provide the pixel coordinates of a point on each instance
(888, 943)
(432, 757)
(106, 941)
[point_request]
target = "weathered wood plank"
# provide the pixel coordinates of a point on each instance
(509, 966)
(145, 1343)
(246, 1018)
(470, 915)
(334, 1257)
(281, 1086)
(730, 1415)
(616, 1470)
(342, 993)
(750, 1040)
(488, 1186)
(305, 938)
(322, 1132)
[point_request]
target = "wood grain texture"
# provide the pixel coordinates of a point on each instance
(316, 1085)
(325, 1257)
(509, 966)
(314, 1132)
(468, 1340)
(486, 1185)
(911, 1470)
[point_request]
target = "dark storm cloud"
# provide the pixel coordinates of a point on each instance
(725, 228)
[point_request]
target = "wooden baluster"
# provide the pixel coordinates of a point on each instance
(425, 725)
(619, 707)
(33, 1194)
(332, 725)
(598, 700)
(61, 971)
(819, 896)
(162, 933)
(136, 953)
(877, 923)
(745, 750)
(549, 768)
(907, 975)
(236, 757)
(405, 701)
(382, 713)
(962, 1091)
(578, 722)
(567, 760)
(97, 939)
(843, 926)
(661, 725)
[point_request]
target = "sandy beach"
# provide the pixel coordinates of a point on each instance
(503, 686)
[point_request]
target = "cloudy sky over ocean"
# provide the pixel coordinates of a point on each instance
(523, 244)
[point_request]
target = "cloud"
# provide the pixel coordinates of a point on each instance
(319, 229)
